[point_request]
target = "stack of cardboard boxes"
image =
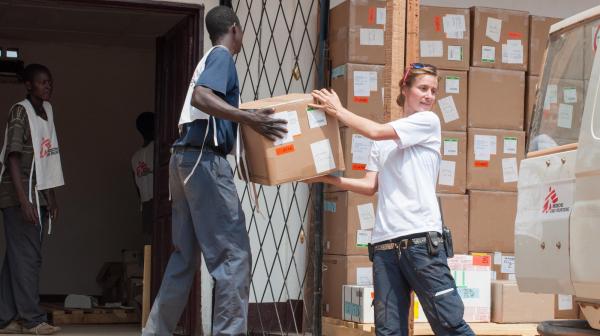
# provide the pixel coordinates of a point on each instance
(356, 41)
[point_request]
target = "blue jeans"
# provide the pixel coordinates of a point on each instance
(398, 272)
(208, 218)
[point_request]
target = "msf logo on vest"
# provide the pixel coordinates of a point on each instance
(46, 148)
(552, 203)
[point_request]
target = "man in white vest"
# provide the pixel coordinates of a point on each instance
(142, 164)
(207, 214)
(31, 169)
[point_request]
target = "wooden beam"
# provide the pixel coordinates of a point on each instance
(146, 288)
(412, 31)
(395, 34)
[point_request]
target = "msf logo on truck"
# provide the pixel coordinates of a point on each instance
(552, 205)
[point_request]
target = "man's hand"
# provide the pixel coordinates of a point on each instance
(52, 206)
(262, 122)
(29, 212)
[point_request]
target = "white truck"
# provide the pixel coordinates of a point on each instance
(557, 227)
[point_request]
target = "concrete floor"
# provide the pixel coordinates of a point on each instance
(99, 330)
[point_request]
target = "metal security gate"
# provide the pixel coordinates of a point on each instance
(280, 55)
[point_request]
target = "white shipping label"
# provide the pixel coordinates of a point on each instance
(512, 277)
(456, 35)
(512, 54)
(488, 54)
(482, 148)
(322, 156)
(362, 83)
(447, 173)
(454, 23)
(565, 302)
(493, 29)
(449, 111)
(316, 118)
(373, 37)
(455, 53)
(551, 96)
(432, 48)
(364, 276)
(492, 140)
(452, 84)
(361, 149)
(497, 258)
(510, 145)
(293, 126)
(565, 116)
(373, 80)
(570, 95)
(380, 16)
(366, 216)
(450, 147)
(510, 171)
(508, 265)
(363, 237)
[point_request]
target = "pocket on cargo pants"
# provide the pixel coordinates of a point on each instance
(449, 307)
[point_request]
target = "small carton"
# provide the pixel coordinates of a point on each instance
(339, 271)
(358, 303)
(565, 307)
(509, 305)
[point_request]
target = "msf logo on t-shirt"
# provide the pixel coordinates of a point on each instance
(142, 169)
(46, 149)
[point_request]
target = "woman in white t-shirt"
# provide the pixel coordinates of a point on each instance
(407, 247)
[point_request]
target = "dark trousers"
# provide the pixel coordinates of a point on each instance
(398, 272)
(208, 218)
(147, 221)
(20, 275)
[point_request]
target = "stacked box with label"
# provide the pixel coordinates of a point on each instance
(339, 270)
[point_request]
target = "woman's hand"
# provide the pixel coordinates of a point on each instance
(327, 101)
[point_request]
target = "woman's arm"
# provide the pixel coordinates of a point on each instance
(330, 103)
(365, 186)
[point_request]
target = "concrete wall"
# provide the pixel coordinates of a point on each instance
(98, 94)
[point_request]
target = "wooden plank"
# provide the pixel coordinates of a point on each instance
(147, 287)
(394, 56)
(487, 329)
(412, 31)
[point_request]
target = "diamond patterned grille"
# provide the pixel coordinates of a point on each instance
(279, 36)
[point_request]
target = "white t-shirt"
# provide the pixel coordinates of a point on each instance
(142, 164)
(408, 170)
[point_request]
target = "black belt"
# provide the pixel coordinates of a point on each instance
(404, 242)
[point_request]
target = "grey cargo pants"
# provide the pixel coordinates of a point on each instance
(207, 217)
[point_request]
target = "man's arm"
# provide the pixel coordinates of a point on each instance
(366, 185)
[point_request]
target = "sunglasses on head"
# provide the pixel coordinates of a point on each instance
(414, 66)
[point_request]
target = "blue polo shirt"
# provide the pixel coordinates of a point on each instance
(220, 75)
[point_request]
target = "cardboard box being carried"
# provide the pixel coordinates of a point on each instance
(444, 35)
(509, 305)
(451, 100)
(492, 221)
(493, 159)
(496, 98)
(452, 177)
(356, 32)
(455, 209)
(472, 277)
(312, 146)
(348, 221)
(358, 303)
(339, 271)
(565, 307)
(539, 28)
(360, 88)
(500, 38)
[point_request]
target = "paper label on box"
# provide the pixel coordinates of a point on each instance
(482, 148)
(362, 83)
(450, 147)
(447, 172)
(510, 145)
(493, 29)
(449, 111)
(363, 237)
(565, 116)
(316, 118)
(492, 140)
(329, 206)
(452, 84)
(366, 216)
(455, 53)
(510, 171)
(570, 95)
(497, 258)
(373, 80)
(371, 37)
(381, 16)
(293, 126)
(512, 54)
(488, 54)
(459, 35)
(338, 71)
(322, 156)
(493, 275)
(432, 48)
(565, 302)
(454, 25)
(361, 149)
(551, 96)
(512, 277)
(364, 275)
(508, 265)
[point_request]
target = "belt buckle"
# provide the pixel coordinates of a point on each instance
(403, 244)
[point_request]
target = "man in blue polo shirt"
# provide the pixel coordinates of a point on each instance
(207, 213)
